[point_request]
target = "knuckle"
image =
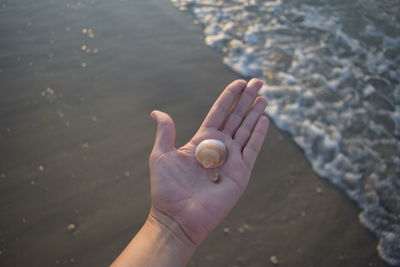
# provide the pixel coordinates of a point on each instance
(163, 125)
(253, 147)
(238, 111)
(221, 109)
(248, 93)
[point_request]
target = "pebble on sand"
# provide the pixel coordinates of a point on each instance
(85, 145)
(50, 91)
(274, 260)
(41, 168)
(71, 227)
(90, 33)
(241, 230)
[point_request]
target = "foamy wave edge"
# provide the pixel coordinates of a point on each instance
(307, 134)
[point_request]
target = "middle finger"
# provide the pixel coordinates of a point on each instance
(246, 99)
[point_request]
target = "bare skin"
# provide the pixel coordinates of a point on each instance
(186, 204)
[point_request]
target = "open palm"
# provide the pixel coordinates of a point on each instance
(181, 188)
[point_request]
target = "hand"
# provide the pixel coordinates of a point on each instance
(181, 188)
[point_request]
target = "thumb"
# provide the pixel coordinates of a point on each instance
(165, 137)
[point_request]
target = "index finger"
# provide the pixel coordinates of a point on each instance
(222, 105)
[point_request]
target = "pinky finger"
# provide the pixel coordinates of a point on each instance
(254, 144)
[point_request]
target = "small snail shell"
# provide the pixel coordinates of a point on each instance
(214, 177)
(211, 153)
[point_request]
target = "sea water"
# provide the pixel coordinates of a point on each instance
(332, 75)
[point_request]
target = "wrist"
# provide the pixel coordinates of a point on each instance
(160, 242)
(170, 236)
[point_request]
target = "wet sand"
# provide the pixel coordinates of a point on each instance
(75, 135)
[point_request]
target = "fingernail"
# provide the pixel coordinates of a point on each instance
(256, 82)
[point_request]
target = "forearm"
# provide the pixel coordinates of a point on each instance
(160, 242)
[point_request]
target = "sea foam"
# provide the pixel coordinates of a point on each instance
(332, 75)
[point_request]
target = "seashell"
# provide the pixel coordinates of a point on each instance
(211, 153)
(214, 177)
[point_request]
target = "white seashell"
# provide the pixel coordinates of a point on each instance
(211, 153)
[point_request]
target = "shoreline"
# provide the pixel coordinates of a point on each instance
(79, 155)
